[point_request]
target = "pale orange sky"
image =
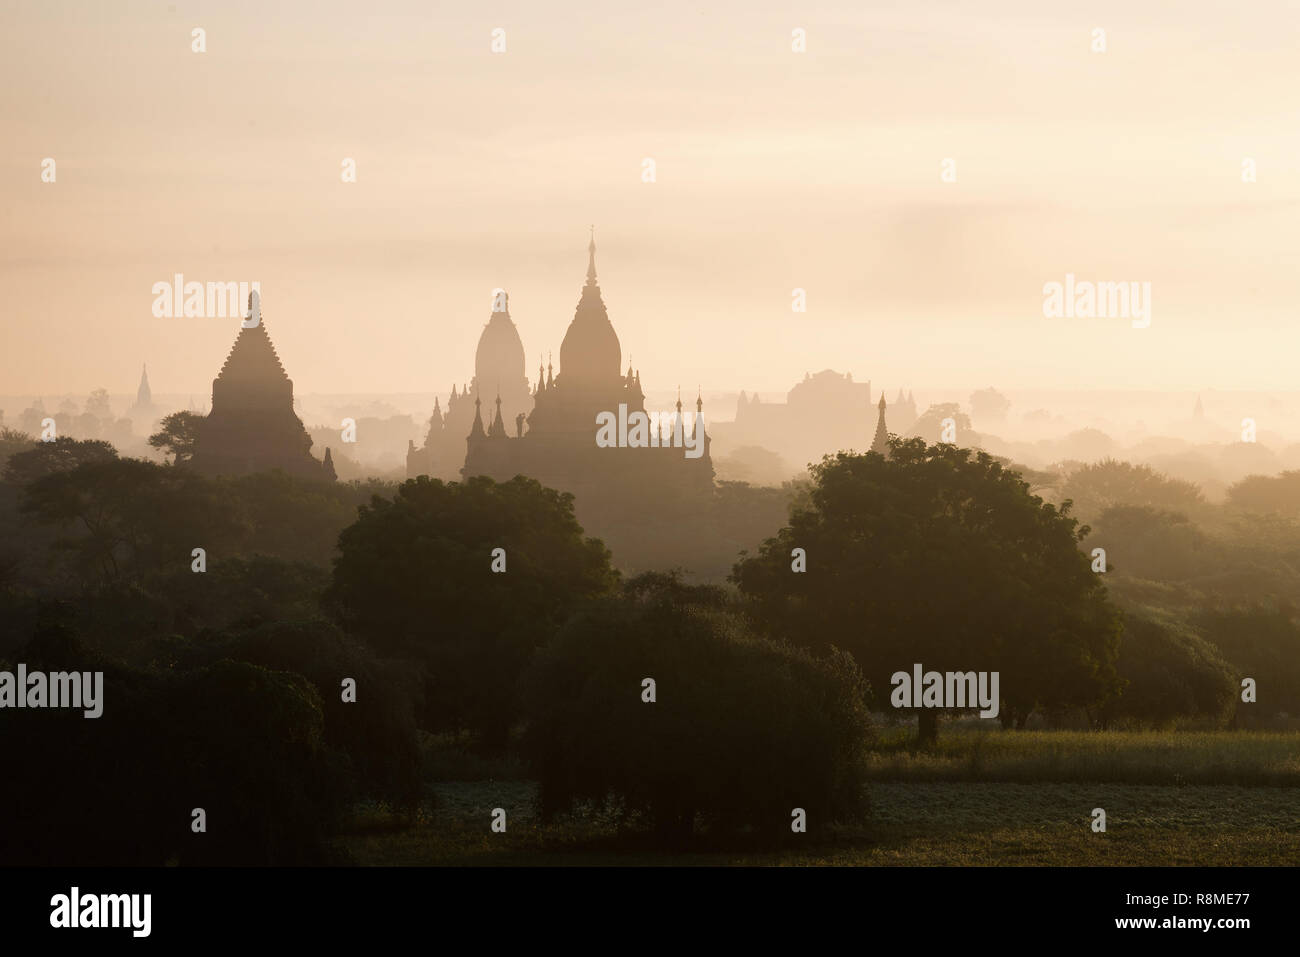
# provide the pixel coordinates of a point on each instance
(775, 170)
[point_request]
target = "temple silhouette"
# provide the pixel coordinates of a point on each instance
(825, 412)
(498, 372)
(144, 414)
(252, 426)
(549, 434)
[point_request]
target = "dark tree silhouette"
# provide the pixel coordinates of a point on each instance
(126, 517)
(178, 435)
(1169, 673)
(943, 558)
(60, 455)
(742, 731)
(1274, 495)
(414, 579)
(1095, 488)
(1262, 641)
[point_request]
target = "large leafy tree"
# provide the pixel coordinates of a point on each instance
(741, 730)
(1144, 542)
(1274, 495)
(415, 579)
(1262, 641)
(940, 557)
(13, 441)
(1095, 488)
(1170, 674)
(930, 424)
(178, 435)
(122, 518)
(989, 405)
(58, 455)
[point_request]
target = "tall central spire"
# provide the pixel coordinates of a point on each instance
(591, 258)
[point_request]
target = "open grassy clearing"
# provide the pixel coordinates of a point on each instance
(978, 797)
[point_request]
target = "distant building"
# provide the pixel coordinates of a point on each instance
(825, 413)
(880, 444)
(559, 447)
(252, 426)
(498, 371)
(144, 414)
(904, 412)
(497, 427)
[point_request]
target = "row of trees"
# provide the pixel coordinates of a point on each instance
(482, 606)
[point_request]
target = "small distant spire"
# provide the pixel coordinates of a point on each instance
(679, 400)
(699, 401)
(436, 423)
(476, 430)
(880, 444)
(498, 428)
(328, 466)
(143, 395)
(591, 258)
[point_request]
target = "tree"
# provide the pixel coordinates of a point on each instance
(13, 441)
(1095, 488)
(414, 579)
(989, 405)
(1262, 641)
(1146, 542)
(1267, 494)
(741, 730)
(242, 742)
(930, 425)
(1170, 673)
(63, 454)
(942, 558)
(294, 517)
(178, 435)
(129, 517)
(98, 406)
(376, 730)
(1090, 445)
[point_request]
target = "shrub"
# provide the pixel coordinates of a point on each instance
(1172, 673)
(1262, 642)
(743, 729)
(241, 742)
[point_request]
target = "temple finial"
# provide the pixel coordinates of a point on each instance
(591, 258)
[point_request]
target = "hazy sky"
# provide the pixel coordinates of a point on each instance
(775, 170)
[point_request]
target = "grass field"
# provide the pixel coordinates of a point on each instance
(978, 797)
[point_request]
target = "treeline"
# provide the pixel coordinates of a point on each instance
(277, 650)
(1209, 591)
